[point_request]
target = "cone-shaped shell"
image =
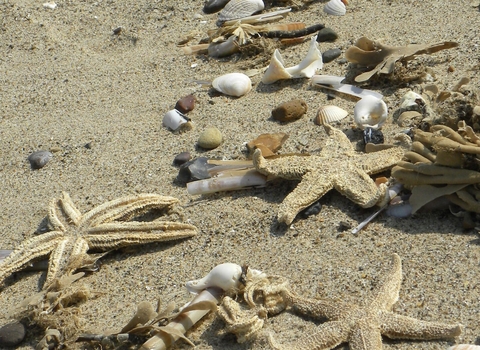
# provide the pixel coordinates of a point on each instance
(370, 112)
(329, 114)
(276, 70)
(335, 8)
(233, 84)
(237, 9)
(224, 276)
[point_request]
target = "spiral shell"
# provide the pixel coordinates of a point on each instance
(232, 84)
(370, 112)
(335, 8)
(237, 9)
(329, 114)
(224, 276)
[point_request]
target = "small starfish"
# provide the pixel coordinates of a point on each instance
(362, 326)
(103, 228)
(336, 166)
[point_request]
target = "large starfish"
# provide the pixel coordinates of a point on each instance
(362, 326)
(336, 166)
(103, 228)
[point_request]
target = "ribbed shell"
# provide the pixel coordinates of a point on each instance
(335, 8)
(329, 114)
(233, 84)
(213, 6)
(236, 9)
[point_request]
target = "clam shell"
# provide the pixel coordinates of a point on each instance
(329, 114)
(213, 6)
(224, 276)
(232, 84)
(237, 9)
(335, 8)
(173, 119)
(370, 112)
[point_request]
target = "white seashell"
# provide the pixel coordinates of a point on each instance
(233, 84)
(224, 276)
(305, 69)
(333, 82)
(335, 8)
(173, 119)
(237, 9)
(411, 99)
(370, 112)
(464, 347)
(329, 114)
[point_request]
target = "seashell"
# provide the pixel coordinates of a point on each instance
(370, 112)
(236, 9)
(39, 159)
(329, 114)
(333, 82)
(305, 69)
(210, 138)
(213, 6)
(335, 8)
(224, 276)
(269, 143)
(409, 118)
(411, 100)
(173, 119)
(464, 347)
(224, 48)
(232, 84)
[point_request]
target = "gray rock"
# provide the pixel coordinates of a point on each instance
(330, 55)
(12, 334)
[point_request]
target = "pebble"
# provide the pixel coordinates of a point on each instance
(39, 159)
(182, 158)
(186, 104)
(193, 170)
(372, 136)
(268, 143)
(330, 55)
(290, 111)
(12, 334)
(326, 34)
(210, 138)
(314, 209)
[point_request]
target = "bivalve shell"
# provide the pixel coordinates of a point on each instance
(329, 114)
(173, 119)
(237, 9)
(370, 112)
(335, 8)
(213, 6)
(232, 84)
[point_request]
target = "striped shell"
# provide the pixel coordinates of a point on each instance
(464, 347)
(236, 9)
(233, 84)
(329, 114)
(335, 8)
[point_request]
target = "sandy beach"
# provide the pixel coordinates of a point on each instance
(96, 101)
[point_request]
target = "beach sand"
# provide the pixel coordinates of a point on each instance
(67, 81)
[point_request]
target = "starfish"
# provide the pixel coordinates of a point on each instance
(103, 228)
(336, 166)
(363, 326)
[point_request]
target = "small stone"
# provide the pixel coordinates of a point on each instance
(182, 158)
(210, 138)
(330, 55)
(290, 111)
(193, 170)
(268, 143)
(39, 159)
(314, 209)
(12, 334)
(371, 135)
(186, 104)
(326, 34)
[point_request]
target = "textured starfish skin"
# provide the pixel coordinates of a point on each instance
(336, 166)
(103, 228)
(363, 326)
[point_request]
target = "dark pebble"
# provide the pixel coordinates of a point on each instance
(182, 158)
(372, 136)
(290, 111)
(196, 169)
(344, 226)
(12, 334)
(213, 6)
(185, 104)
(39, 159)
(330, 55)
(314, 209)
(326, 34)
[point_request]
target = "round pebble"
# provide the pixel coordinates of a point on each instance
(186, 104)
(330, 55)
(39, 159)
(326, 34)
(182, 158)
(290, 111)
(210, 138)
(12, 334)
(372, 136)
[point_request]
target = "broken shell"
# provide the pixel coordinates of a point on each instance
(213, 6)
(335, 8)
(232, 84)
(224, 48)
(411, 100)
(329, 114)
(370, 112)
(173, 119)
(224, 276)
(237, 9)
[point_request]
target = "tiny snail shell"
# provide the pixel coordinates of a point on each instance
(335, 8)
(329, 114)
(224, 276)
(370, 112)
(173, 119)
(39, 159)
(233, 84)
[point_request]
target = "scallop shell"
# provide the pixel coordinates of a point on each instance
(236, 9)
(335, 8)
(232, 84)
(224, 276)
(370, 112)
(464, 347)
(329, 114)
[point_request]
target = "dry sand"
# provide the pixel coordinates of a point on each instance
(67, 81)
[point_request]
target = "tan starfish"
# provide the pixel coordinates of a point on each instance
(103, 228)
(336, 166)
(363, 326)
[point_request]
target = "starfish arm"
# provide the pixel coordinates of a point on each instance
(365, 336)
(70, 210)
(28, 251)
(386, 295)
(328, 336)
(294, 169)
(126, 208)
(337, 143)
(319, 308)
(312, 187)
(376, 162)
(398, 326)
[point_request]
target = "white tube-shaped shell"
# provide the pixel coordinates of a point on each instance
(224, 276)
(233, 84)
(173, 119)
(335, 83)
(227, 183)
(370, 112)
